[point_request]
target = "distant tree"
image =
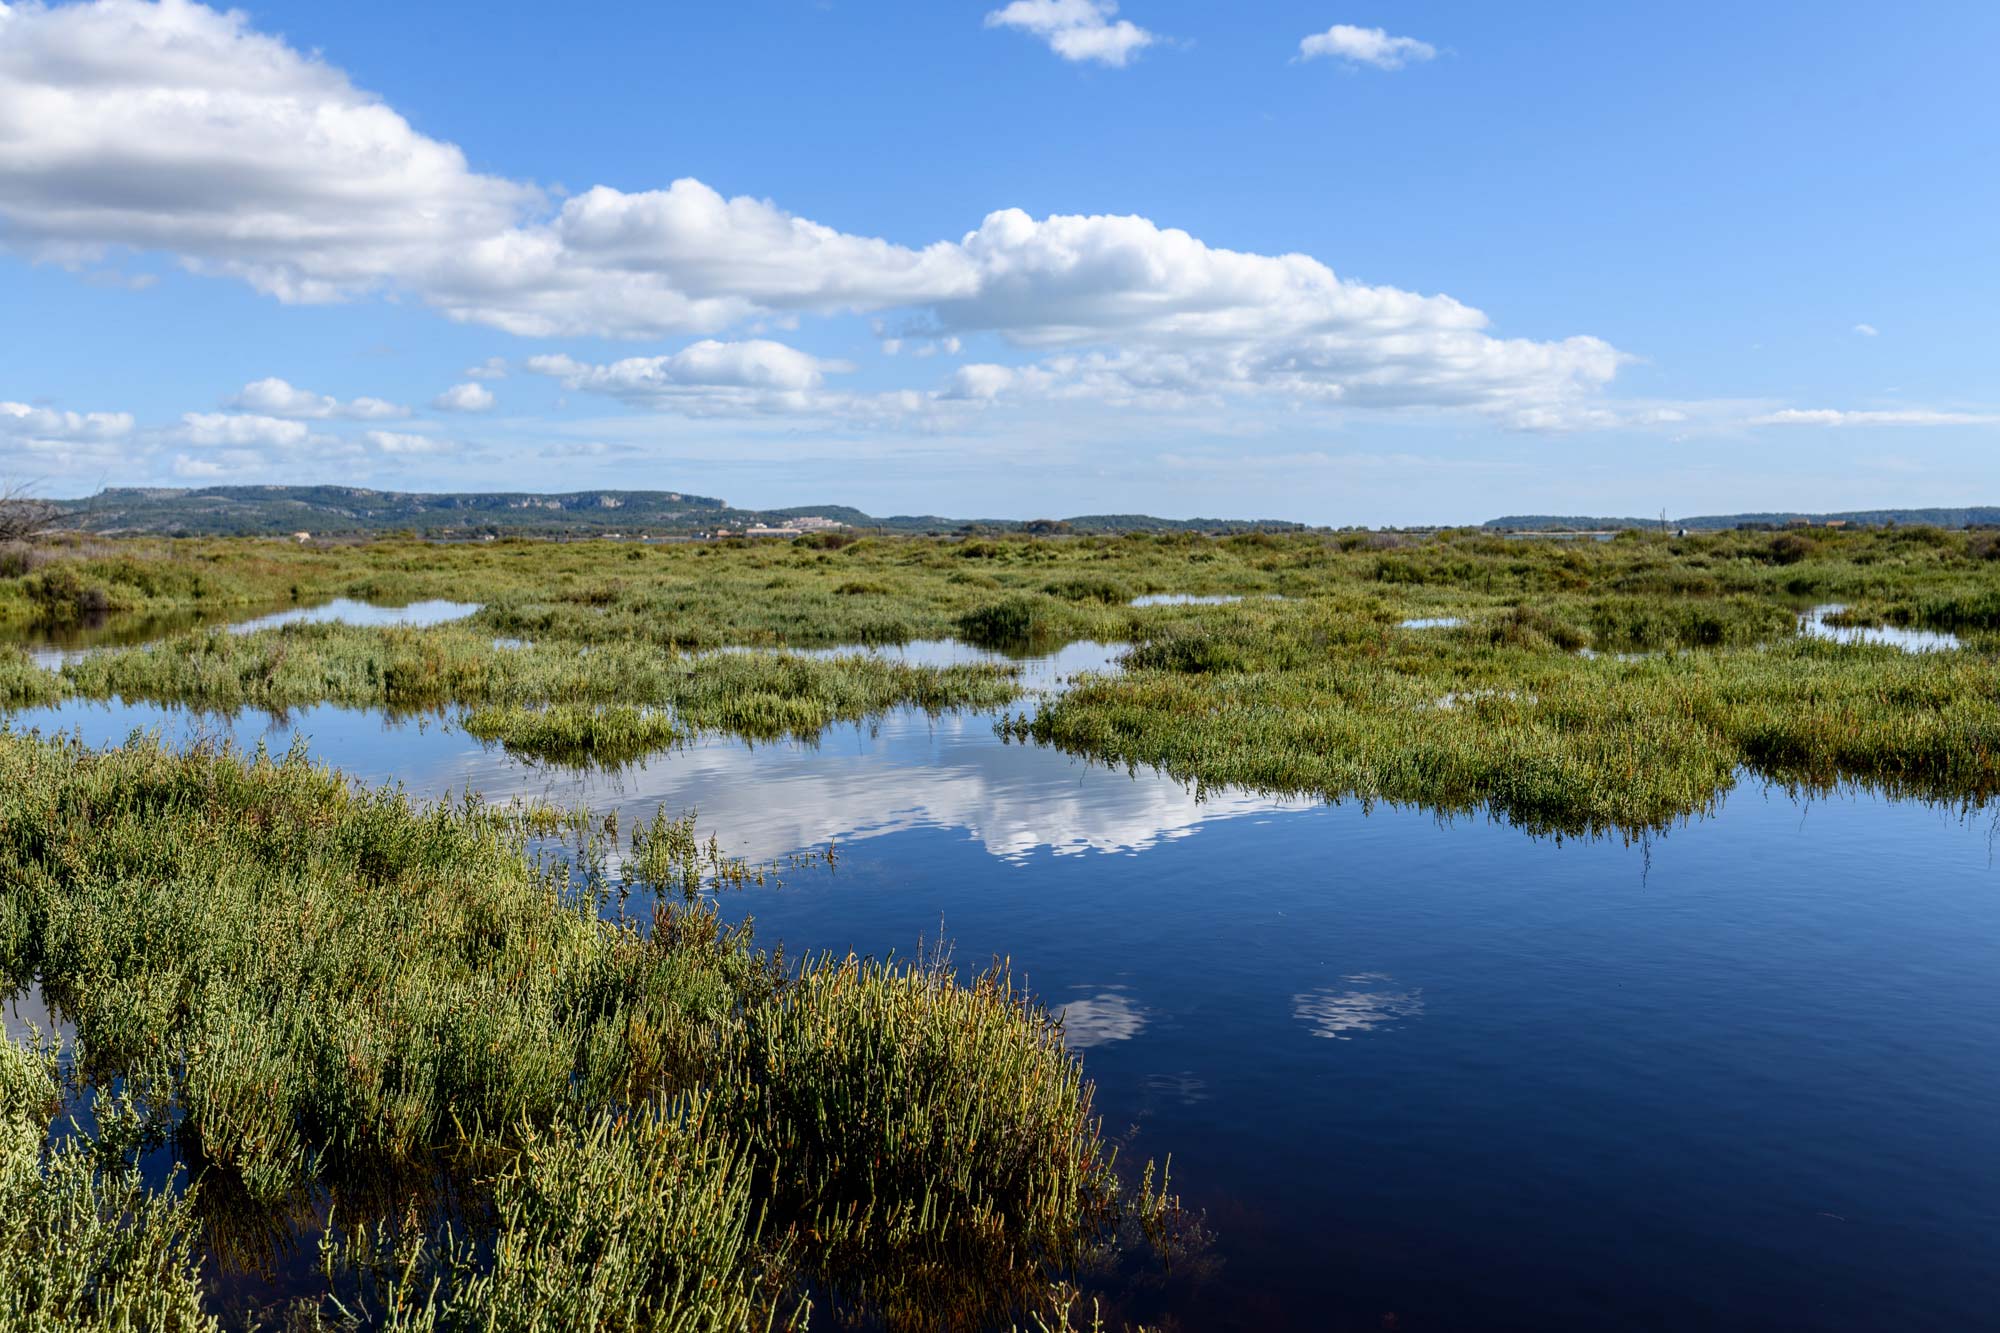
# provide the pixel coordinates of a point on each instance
(24, 517)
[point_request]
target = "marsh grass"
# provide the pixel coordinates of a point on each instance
(1316, 693)
(564, 701)
(574, 735)
(84, 1245)
(978, 1181)
(1310, 700)
(321, 999)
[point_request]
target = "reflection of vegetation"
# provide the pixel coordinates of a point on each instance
(317, 995)
(1319, 692)
(23, 684)
(555, 699)
(83, 1244)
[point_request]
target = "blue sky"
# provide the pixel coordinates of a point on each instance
(1389, 263)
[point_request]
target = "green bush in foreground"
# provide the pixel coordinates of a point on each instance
(319, 995)
(639, 1222)
(934, 1139)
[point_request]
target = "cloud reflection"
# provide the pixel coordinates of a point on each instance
(1339, 1014)
(902, 772)
(1099, 1020)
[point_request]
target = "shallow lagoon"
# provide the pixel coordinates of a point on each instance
(1743, 1075)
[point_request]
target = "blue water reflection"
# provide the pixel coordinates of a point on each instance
(1440, 1073)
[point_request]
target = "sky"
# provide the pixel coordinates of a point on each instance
(1381, 263)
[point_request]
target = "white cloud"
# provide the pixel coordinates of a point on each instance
(1365, 46)
(200, 469)
(723, 379)
(275, 397)
(1868, 330)
(372, 409)
(401, 443)
(242, 430)
(1911, 416)
(175, 128)
(1077, 30)
(20, 421)
(492, 368)
(466, 397)
(42, 441)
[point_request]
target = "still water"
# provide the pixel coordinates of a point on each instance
(1418, 1074)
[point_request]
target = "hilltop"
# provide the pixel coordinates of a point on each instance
(1976, 516)
(216, 511)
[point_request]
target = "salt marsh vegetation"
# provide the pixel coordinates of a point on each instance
(1604, 685)
(316, 1018)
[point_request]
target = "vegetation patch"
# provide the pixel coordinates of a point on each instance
(577, 735)
(319, 1000)
(1613, 684)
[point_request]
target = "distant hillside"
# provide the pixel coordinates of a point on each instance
(254, 510)
(216, 511)
(1970, 517)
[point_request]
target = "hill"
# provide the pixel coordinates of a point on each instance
(1974, 516)
(215, 511)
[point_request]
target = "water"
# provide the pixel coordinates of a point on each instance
(52, 646)
(1742, 1076)
(1430, 622)
(347, 611)
(1813, 624)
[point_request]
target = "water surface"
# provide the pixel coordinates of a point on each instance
(1419, 1074)
(1813, 624)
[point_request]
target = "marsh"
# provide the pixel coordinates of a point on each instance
(1706, 988)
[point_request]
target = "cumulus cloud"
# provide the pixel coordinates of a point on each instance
(466, 397)
(242, 430)
(275, 397)
(1909, 416)
(51, 441)
(492, 368)
(173, 126)
(405, 444)
(20, 421)
(176, 128)
(1868, 330)
(721, 379)
(208, 469)
(1365, 46)
(1077, 30)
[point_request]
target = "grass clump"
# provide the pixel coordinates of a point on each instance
(25, 685)
(559, 699)
(83, 1244)
(642, 1223)
(1323, 700)
(577, 735)
(935, 1140)
(520, 1113)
